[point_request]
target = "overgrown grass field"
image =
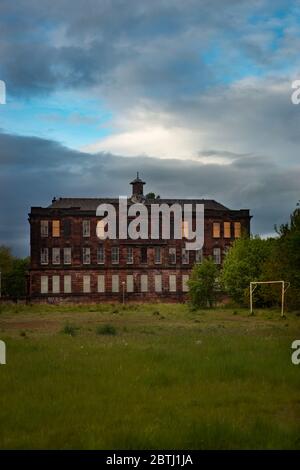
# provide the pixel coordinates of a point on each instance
(148, 377)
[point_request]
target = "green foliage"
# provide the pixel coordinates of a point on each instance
(244, 263)
(284, 262)
(70, 329)
(13, 274)
(106, 330)
(202, 284)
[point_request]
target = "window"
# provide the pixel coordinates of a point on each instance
(185, 229)
(86, 284)
(44, 284)
(217, 255)
(115, 283)
(157, 255)
(198, 256)
(44, 228)
(144, 283)
(216, 230)
(227, 230)
(100, 254)
(185, 287)
(86, 228)
(129, 283)
(172, 255)
(237, 229)
(115, 255)
(44, 256)
(172, 283)
(158, 283)
(55, 255)
(86, 255)
(144, 257)
(185, 256)
(101, 283)
(67, 255)
(67, 228)
(67, 284)
(129, 255)
(55, 228)
(55, 284)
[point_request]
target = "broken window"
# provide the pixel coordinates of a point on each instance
(44, 256)
(44, 228)
(86, 228)
(86, 255)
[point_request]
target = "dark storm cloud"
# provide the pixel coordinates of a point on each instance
(34, 170)
(148, 46)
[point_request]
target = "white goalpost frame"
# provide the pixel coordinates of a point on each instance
(284, 288)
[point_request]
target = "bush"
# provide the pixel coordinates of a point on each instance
(106, 330)
(70, 329)
(203, 288)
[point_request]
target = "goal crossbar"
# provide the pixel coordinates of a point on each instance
(284, 287)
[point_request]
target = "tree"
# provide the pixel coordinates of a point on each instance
(244, 263)
(284, 261)
(14, 284)
(202, 284)
(13, 274)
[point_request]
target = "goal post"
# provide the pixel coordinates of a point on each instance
(284, 287)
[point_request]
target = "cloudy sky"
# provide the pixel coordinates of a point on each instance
(194, 94)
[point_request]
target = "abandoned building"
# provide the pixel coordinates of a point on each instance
(70, 263)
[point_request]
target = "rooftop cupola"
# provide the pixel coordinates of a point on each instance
(137, 186)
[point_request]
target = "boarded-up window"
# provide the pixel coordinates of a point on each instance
(129, 282)
(67, 284)
(67, 227)
(44, 228)
(55, 255)
(129, 255)
(44, 256)
(86, 255)
(185, 287)
(115, 255)
(144, 283)
(55, 228)
(158, 283)
(172, 255)
(198, 256)
(237, 229)
(115, 283)
(86, 284)
(100, 254)
(55, 284)
(44, 284)
(86, 228)
(157, 255)
(185, 256)
(67, 255)
(227, 231)
(172, 283)
(216, 230)
(101, 283)
(217, 255)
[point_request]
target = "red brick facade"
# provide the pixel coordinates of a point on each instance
(61, 274)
